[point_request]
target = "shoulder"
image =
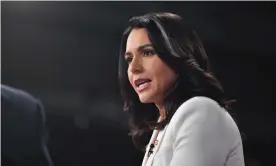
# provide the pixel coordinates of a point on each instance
(16, 96)
(205, 117)
(20, 111)
(19, 102)
(23, 112)
(201, 126)
(203, 114)
(199, 107)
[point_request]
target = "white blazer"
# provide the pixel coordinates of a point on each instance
(200, 133)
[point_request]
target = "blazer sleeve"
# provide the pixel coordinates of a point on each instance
(200, 134)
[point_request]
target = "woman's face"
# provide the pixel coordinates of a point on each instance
(147, 73)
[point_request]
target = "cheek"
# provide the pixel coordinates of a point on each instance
(164, 77)
(130, 76)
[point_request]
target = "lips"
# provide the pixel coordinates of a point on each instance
(142, 83)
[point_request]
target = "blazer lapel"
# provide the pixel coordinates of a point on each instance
(156, 148)
(147, 148)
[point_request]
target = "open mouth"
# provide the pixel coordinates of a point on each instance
(140, 82)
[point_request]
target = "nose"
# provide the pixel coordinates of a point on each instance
(136, 66)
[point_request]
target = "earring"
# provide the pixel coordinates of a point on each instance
(177, 75)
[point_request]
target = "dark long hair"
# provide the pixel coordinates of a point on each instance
(180, 48)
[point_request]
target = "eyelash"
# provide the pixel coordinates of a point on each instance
(144, 53)
(151, 52)
(128, 60)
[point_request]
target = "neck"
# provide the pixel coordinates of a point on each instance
(161, 106)
(162, 111)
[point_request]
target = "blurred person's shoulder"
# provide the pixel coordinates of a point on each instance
(17, 99)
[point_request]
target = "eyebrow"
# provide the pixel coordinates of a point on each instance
(139, 49)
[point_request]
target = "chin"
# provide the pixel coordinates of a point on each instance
(145, 99)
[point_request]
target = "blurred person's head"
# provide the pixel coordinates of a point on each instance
(162, 64)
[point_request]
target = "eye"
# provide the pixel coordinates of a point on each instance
(128, 59)
(148, 52)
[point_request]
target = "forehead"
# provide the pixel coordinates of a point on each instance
(136, 38)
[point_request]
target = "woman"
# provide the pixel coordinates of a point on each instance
(177, 108)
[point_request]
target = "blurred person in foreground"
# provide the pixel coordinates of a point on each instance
(23, 129)
(178, 110)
